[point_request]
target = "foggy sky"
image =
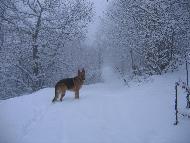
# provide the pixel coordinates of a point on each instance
(100, 6)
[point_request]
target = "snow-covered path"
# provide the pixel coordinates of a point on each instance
(105, 113)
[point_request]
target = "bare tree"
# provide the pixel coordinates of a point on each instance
(39, 31)
(155, 31)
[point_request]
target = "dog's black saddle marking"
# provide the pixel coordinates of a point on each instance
(69, 82)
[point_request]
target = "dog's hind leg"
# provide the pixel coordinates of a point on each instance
(62, 95)
(56, 95)
(54, 99)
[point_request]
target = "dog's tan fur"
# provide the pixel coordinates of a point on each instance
(73, 84)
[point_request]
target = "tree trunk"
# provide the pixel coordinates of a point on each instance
(1, 32)
(36, 82)
(132, 63)
(187, 76)
(172, 46)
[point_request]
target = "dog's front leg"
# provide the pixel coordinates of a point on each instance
(77, 94)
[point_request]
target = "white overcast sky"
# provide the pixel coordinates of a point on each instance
(100, 6)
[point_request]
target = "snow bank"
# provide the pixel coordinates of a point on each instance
(105, 113)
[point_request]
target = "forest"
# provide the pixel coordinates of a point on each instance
(43, 41)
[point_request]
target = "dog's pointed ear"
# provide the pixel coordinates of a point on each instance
(83, 70)
(78, 72)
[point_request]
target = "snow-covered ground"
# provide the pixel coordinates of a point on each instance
(105, 113)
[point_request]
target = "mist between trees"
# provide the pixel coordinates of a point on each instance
(145, 37)
(42, 41)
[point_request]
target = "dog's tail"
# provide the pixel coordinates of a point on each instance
(55, 98)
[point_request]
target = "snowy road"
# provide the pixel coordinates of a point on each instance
(105, 113)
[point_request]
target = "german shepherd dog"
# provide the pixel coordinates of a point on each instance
(72, 84)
